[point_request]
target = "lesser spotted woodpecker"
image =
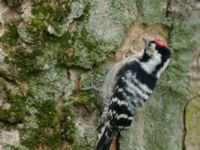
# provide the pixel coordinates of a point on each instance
(128, 86)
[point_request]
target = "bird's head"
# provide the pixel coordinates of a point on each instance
(157, 46)
(155, 57)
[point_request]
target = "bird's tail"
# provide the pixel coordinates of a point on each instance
(106, 138)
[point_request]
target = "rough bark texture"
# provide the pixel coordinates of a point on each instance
(53, 59)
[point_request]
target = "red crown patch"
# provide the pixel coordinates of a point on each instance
(161, 43)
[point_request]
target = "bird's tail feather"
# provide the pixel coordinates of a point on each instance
(108, 139)
(105, 140)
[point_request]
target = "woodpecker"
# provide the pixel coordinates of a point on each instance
(128, 86)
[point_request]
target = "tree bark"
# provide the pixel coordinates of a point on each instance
(54, 56)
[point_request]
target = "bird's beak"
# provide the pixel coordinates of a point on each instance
(145, 42)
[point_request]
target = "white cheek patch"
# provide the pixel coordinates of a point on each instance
(150, 65)
(151, 49)
(153, 46)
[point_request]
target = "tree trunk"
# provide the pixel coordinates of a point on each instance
(54, 56)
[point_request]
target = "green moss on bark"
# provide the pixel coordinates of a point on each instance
(52, 129)
(153, 11)
(16, 112)
(11, 37)
(14, 3)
